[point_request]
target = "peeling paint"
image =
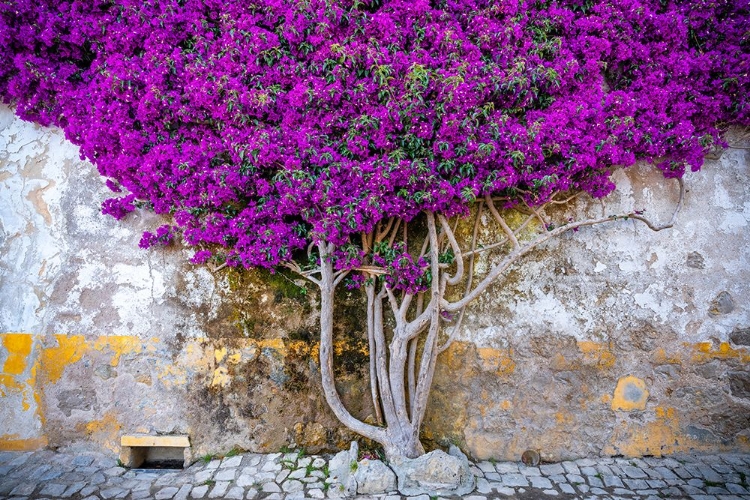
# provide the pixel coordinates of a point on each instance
(231, 357)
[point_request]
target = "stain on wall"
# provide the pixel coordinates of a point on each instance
(613, 340)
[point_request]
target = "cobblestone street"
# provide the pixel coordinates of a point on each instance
(88, 476)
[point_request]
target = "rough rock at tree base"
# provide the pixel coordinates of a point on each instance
(340, 468)
(374, 477)
(435, 473)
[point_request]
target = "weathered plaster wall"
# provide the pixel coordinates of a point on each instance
(612, 340)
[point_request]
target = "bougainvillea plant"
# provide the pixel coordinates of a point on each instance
(342, 138)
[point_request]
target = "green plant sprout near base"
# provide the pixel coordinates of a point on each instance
(208, 482)
(234, 452)
(207, 458)
(353, 466)
(121, 464)
(743, 479)
(309, 469)
(712, 483)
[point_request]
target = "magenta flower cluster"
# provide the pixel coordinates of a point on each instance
(259, 126)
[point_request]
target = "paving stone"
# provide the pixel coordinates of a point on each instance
(486, 466)
(219, 490)
(553, 493)
(671, 492)
(692, 490)
(575, 479)
(502, 490)
(246, 480)
(715, 490)
(236, 493)
(483, 486)
(595, 481)
(599, 491)
(88, 490)
(506, 467)
(636, 484)
(540, 482)
(115, 492)
(297, 474)
(558, 478)
(214, 464)
(623, 491)
(247, 459)
(252, 493)
(647, 492)
(681, 472)
(515, 480)
(493, 476)
(737, 489)
(698, 483)
(585, 462)
(226, 474)
(733, 459)
(271, 487)
(271, 466)
(571, 467)
(588, 470)
(231, 462)
(721, 468)
(476, 471)
(140, 494)
(164, 493)
(199, 491)
(204, 475)
(566, 488)
(115, 471)
(604, 469)
(264, 477)
(475, 497)
(656, 483)
(612, 481)
(53, 489)
(634, 472)
(703, 497)
(72, 489)
(23, 489)
(552, 469)
(20, 459)
(529, 471)
(183, 492)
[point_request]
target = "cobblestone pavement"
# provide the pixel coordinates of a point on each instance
(89, 476)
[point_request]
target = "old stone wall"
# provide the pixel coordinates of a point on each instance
(613, 340)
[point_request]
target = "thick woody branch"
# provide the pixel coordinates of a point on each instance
(457, 327)
(326, 353)
(517, 253)
(501, 221)
(456, 278)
